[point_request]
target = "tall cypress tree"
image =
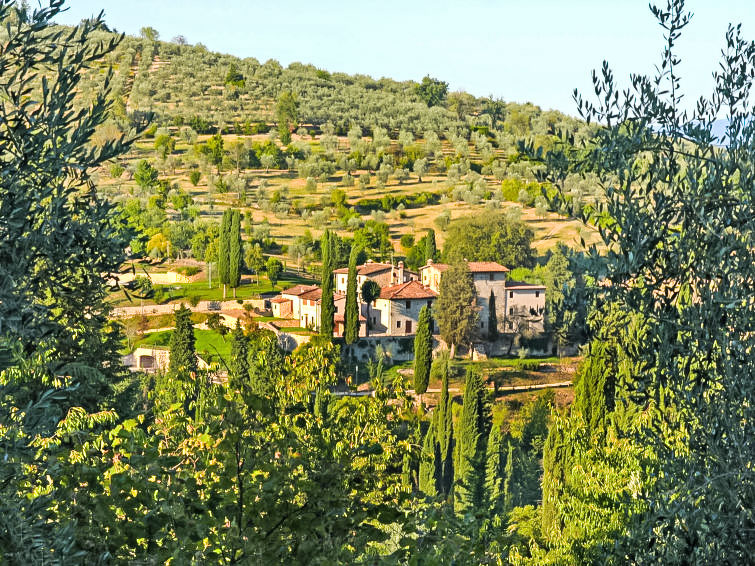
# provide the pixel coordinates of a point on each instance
(492, 318)
(430, 249)
(423, 352)
(223, 250)
(508, 479)
(430, 463)
(472, 444)
(183, 358)
(495, 468)
(239, 365)
(234, 251)
(327, 308)
(351, 316)
(445, 428)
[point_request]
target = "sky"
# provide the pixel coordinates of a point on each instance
(535, 51)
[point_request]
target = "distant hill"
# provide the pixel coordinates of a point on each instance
(181, 83)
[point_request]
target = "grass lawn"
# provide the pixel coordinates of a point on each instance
(183, 292)
(209, 344)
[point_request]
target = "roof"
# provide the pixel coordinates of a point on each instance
(409, 290)
(298, 290)
(521, 285)
(280, 299)
(312, 295)
(367, 268)
(474, 267)
(341, 318)
(486, 267)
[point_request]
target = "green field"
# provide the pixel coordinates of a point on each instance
(209, 344)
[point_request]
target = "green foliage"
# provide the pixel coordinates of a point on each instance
(194, 177)
(492, 318)
(145, 175)
(351, 313)
(489, 237)
(235, 258)
(432, 91)
(430, 249)
(287, 115)
(327, 307)
(233, 77)
(456, 307)
(223, 247)
(470, 460)
(423, 351)
(274, 269)
(183, 358)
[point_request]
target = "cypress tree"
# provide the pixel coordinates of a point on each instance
(239, 367)
(428, 463)
(472, 442)
(508, 479)
(223, 249)
(495, 469)
(183, 358)
(423, 352)
(234, 251)
(430, 250)
(327, 308)
(492, 318)
(351, 316)
(555, 463)
(445, 426)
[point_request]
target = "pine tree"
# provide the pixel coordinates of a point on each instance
(235, 257)
(351, 315)
(327, 308)
(472, 443)
(238, 370)
(224, 249)
(492, 318)
(423, 352)
(430, 250)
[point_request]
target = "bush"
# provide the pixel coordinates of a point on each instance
(194, 177)
(116, 170)
(194, 300)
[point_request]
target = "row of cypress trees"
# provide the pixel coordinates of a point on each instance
(230, 248)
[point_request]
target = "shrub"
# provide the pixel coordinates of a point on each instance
(194, 177)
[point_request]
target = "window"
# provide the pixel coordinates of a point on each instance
(537, 294)
(398, 324)
(492, 276)
(429, 304)
(511, 294)
(482, 324)
(408, 305)
(511, 311)
(511, 325)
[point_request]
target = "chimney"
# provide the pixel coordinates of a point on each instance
(430, 261)
(400, 272)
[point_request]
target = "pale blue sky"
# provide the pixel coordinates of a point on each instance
(536, 50)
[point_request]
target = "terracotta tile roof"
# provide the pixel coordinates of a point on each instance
(523, 285)
(312, 295)
(341, 318)
(409, 290)
(367, 268)
(486, 267)
(298, 290)
(280, 299)
(474, 267)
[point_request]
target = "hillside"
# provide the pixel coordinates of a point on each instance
(380, 159)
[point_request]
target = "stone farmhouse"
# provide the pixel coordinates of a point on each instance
(396, 311)
(384, 274)
(518, 305)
